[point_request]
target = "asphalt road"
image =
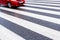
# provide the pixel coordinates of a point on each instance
(37, 20)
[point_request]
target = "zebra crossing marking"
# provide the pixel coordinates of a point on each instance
(46, 18)
(40, 29)
(43, 6)
(42, 10)
(6, 34)
(32, 26)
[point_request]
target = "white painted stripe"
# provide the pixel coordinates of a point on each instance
(41, 10)
(53, 34)
(6, 34)
(41, 17)
(38, 2)
(55, 2)
(45, 1)
(50, 7)
(45, 4)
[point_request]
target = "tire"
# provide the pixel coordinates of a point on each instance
(9, 5)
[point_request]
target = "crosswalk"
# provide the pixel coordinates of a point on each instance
(39, 20)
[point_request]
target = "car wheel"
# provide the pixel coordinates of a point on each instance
(9, 5)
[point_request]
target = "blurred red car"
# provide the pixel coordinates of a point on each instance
(12, 3)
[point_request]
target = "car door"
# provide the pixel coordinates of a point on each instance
(0, 2)
(4, 2)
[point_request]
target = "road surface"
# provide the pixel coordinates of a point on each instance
(38, 20)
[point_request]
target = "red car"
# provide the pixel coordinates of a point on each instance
(12, 3)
